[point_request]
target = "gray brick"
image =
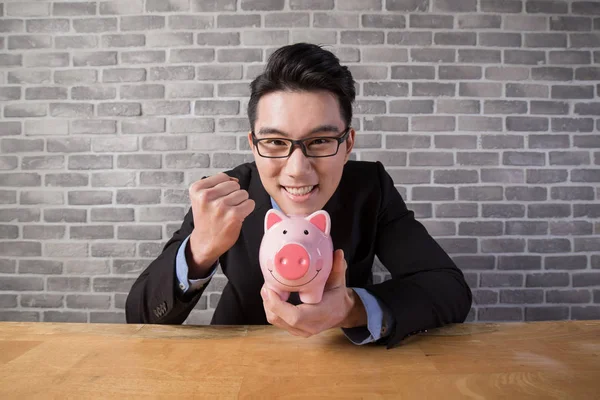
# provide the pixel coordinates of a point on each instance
(66, 180)
(120, 8)
(64, 215)
(410, 106)
(144, 22)
(230, 160)
(138, 196)
(440, 228)
(139, 161)
(585, 175)
(109, 249)
(455, 38)
(96, 58)
(455, 141)
(546, 176)
(124, 40)
(213, 5)
(25, 110)
(501, 6)
(507, 73)
(480, 193)
(65, 316)
(380, 21)
(41, 300)
(54, 25)
(586, 141)
(568, 296)
(167, 5)
(389, 159)
(166, 108)
(479, 56)
(406, 142)
(587, 109)
(526, 228)
(587, 73)
(565, 262)
(164, 143)
(143, 57)
(455, 5)
(21, 283)
(8, 266)
(527, 124)
(239, 55)
(459, 72)
(75, 76)
(456, 210)
(96, 25)
(500, 314)
(479, 89)
(455, 176)
(585, 8)
(261, 38)
(564, 228)
(72, 9)
(44, 267)
(144, 125)
(192, 125)
(187, 160)
(524, 57)
(229, 90)
(479, 124)
(129, 266)
(431, 21)
(479, 21)
(119, 109)
(432, 55)
(11, 93)
(503, 210)
(233, 125)
(526, 90)
(478, 262)
(41, 197)
(553, 40)
(141, 232)
(485, 297)
(547, 6)
(361, 37)
(45, 93)
(157, 178)
(178, 196)
(497, 280)
(171, 73)
(413, 72)
(569, 193)
(262, 5)
(409, 38)
(569, 57)
(421, 158)
(505, 245)
(549, 107)
(458, 246)
(27, 9)
(124, 75)
(586, 210)
(587, 244)
(558, 23)
(525, 193)
(548, 141)
(21, 145)
(585, 313)
(89, 197)
(10, 128)
(71, 110)
(523, 158)
(481, 228)
(216, 107)
(430, 89)
(88, 301)
(68, 145)
(8, 196)
(8, 301)
(379, 54)
(521, 296)
(583, 279)
(66, 250)
(219, 39)
(20, 179)
(314, 36)
(158, 214)
(86, 162)
(26, 42)
(253, 20)
(9, 231)
(76, 42)
(496, 39)
(569, 158)
(572, 92)
(110, 179)
(7, 60)
(433, 123)
(549, 245)
(92, 232)
(389, 124)
(548, 210)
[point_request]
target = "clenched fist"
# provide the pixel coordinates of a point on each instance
(219, 207)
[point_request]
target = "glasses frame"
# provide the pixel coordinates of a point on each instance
(300, 143)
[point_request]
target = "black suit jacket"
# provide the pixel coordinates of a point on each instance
(368, 218)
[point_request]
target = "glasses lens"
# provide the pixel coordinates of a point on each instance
(321, 147)
(274, 147)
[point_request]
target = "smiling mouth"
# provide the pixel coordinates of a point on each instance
(313, 278)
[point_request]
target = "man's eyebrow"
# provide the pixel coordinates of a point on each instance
(319, 129)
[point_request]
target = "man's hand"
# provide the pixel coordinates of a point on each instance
(339, 307)
(219, 207)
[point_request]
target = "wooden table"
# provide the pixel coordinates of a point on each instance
(478, 361)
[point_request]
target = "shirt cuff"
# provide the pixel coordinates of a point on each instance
(378, 320)
(182, 270)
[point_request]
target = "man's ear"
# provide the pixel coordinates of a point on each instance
(349, 144)
(250, 141)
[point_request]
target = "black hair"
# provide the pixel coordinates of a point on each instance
(304, 67)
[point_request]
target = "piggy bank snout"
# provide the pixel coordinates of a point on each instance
(292, 261)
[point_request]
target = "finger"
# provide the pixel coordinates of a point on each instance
(284, 310)
(211, 181)
(244, 209)
(275, 320)
(236, 197)
(218, 191)
(337, 277)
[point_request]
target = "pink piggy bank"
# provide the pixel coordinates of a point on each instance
(296, 254)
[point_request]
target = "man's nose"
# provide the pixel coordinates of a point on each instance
(297, 162)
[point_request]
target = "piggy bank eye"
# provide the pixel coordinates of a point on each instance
(305, 232)
(284, 232)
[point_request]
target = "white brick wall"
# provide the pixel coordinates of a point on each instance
(485, 112)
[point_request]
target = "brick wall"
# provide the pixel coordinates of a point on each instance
(485, 112)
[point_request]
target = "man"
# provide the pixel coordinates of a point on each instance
(300, 111)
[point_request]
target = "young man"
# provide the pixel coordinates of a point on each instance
(300, 111)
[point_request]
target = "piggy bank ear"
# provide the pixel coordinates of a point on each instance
(321, 220)
(273, 217)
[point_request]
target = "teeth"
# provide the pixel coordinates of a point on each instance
(299, 191)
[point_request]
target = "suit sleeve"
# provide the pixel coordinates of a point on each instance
(426, 289)
(155, 297)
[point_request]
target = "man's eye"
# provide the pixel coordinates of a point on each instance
(321, 141)
(275, 142)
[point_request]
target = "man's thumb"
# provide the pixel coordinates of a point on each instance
(337, 277)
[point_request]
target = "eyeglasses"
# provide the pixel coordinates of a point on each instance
(326, 146)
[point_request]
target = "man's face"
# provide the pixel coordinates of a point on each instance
(300, 185)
